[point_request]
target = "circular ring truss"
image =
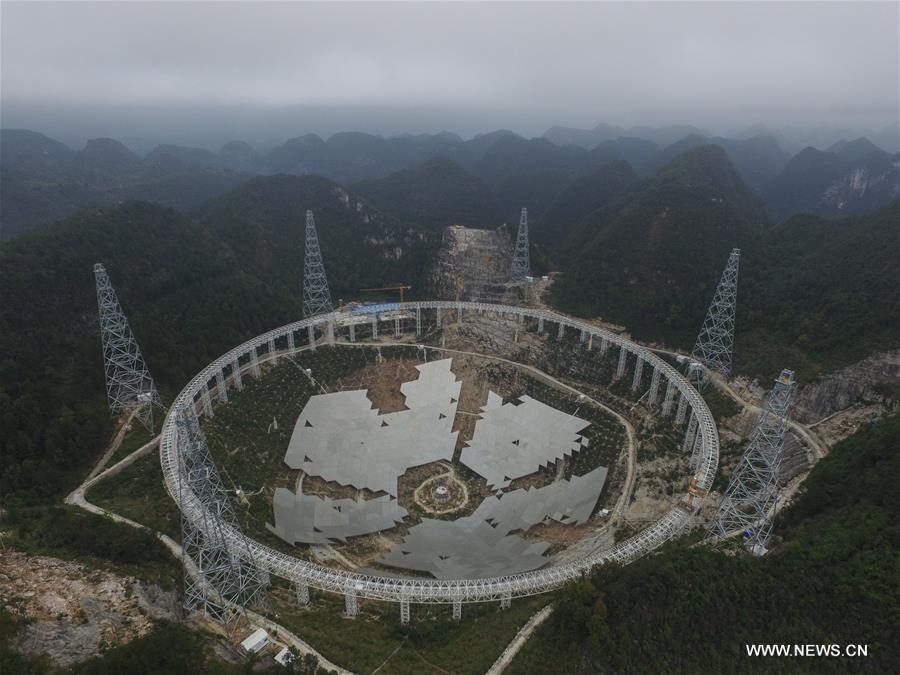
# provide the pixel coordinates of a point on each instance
(435, 591)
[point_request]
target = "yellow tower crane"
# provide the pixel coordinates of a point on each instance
(398, 287)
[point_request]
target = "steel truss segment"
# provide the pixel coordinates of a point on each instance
(521, 265)
(620, 367)
(316, 295)
(715, 343)
(654, 388)
(129, 386)
(638, 372)
(436, 591)
(221, 577)
(750, 497)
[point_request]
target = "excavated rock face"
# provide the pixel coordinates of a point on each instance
(795, 457)
(475, 265)
(844, 387)
(72, 611)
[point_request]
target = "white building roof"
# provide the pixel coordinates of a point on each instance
(255, 641)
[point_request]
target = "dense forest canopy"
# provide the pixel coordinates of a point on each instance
(834, 578)
(192, 287)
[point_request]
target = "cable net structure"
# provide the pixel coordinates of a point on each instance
(749, 500)
(221, 578)
(418, 321)
(521, 266)
(715, 343)
(316, 295)
(129, 386)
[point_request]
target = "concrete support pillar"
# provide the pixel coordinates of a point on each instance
(654, 387)
(670, 395)
(236, 375)
(540, 325)
(562, 330)
(329, 331)
(681, 411)
(352, 332)
(311, 331)
(638, 373)
(505, 602)
(437, 316)
(583, 336)
(374, 324)
(459, 314)
(620, 368)
(254, 362)
(397, 327)
(590, 345)
(418, 321)
(457, 610)
(207, 402)
(404, 612)
(292, 346)
(272, 354)
(351, 606)
(521, 318)
(302, 594)
(220, 386)
(604, 345)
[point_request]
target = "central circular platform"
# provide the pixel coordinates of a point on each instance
(441, 495)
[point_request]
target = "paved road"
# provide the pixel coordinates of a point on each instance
(519, 641)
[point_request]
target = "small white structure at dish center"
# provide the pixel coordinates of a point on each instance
(255, 641)
(284, 657)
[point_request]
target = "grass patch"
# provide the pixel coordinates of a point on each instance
(138, 493)
(432, 643)
(134, 439)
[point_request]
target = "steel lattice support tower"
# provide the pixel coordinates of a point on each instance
(129, 386)
(715, 343)
(749, 500)
(316, 296)
(521, 266)
(218, 579)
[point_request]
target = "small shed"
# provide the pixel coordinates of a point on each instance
(255, 641)
(284, 657)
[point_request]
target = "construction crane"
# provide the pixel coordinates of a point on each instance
(398, 287)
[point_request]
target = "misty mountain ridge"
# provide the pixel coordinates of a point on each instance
(590, 138)
(853, 179)
(790, 138)
(43, 180)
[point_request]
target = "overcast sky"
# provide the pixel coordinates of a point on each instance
(207, 72)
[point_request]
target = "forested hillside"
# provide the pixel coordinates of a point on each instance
(834, 578)
(583, 197)
(642, 260)
(191, 287)
(848, 178)
(435, 194)
(814, 294)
